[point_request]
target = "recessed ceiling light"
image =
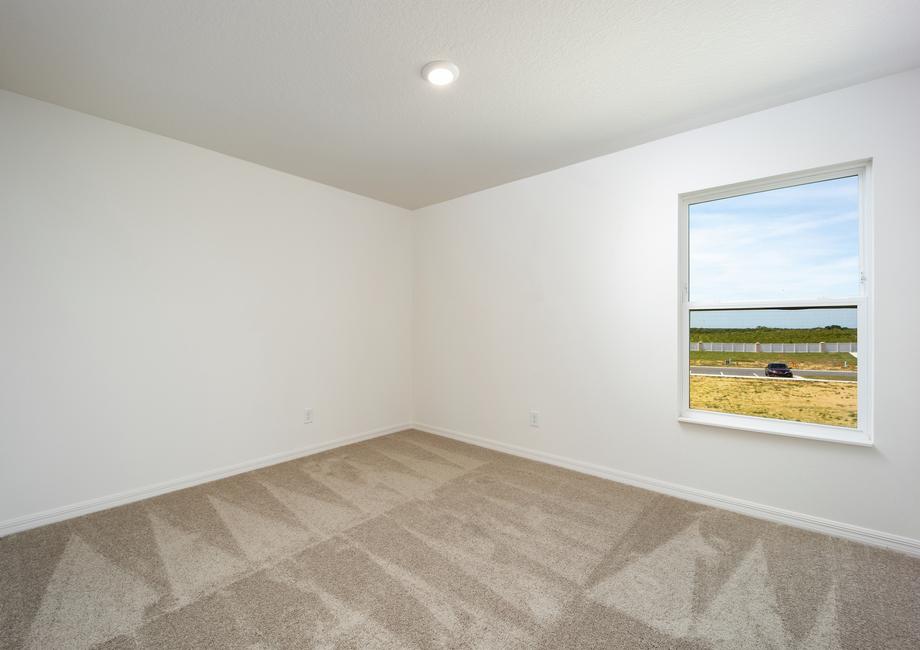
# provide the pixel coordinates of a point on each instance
(440, 73)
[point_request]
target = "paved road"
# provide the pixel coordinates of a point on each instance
(733, 371)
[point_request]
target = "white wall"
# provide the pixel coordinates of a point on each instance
(167, 310)
(559, 293)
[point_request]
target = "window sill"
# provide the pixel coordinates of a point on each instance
(819, 432)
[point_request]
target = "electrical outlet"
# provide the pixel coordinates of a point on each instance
(534, 419)
(308, 416)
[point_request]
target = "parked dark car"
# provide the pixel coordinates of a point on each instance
(777, 370)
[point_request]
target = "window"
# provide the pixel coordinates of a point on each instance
(775, 305)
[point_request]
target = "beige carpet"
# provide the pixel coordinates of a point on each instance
(412, 540)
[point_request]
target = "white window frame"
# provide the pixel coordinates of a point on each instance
(863, 433)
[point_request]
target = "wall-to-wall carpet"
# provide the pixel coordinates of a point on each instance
(412, 540)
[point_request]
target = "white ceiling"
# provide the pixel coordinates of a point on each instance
(330, 89)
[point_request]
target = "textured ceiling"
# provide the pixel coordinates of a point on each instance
(330, 89)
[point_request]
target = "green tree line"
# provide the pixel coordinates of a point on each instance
(830, 334)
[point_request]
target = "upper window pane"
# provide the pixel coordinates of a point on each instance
(792, 243)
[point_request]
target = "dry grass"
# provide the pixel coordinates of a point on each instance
(820, 402)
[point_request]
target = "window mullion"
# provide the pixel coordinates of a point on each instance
(851, 301)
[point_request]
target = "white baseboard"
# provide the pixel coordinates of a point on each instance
(103, 503)
(790, 518)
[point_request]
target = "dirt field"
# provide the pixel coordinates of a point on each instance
(820, 402)
(800, 360)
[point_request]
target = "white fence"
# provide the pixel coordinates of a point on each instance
(699, 346)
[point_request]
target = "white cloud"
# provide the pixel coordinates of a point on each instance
(793, 243)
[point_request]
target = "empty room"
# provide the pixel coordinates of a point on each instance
(529, 324)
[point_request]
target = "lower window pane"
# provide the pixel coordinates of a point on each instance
(786, 364)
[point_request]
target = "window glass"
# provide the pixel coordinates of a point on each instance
(788, 364)
(793, 243)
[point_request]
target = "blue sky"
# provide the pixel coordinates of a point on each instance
(794, 243)
(845, 317)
